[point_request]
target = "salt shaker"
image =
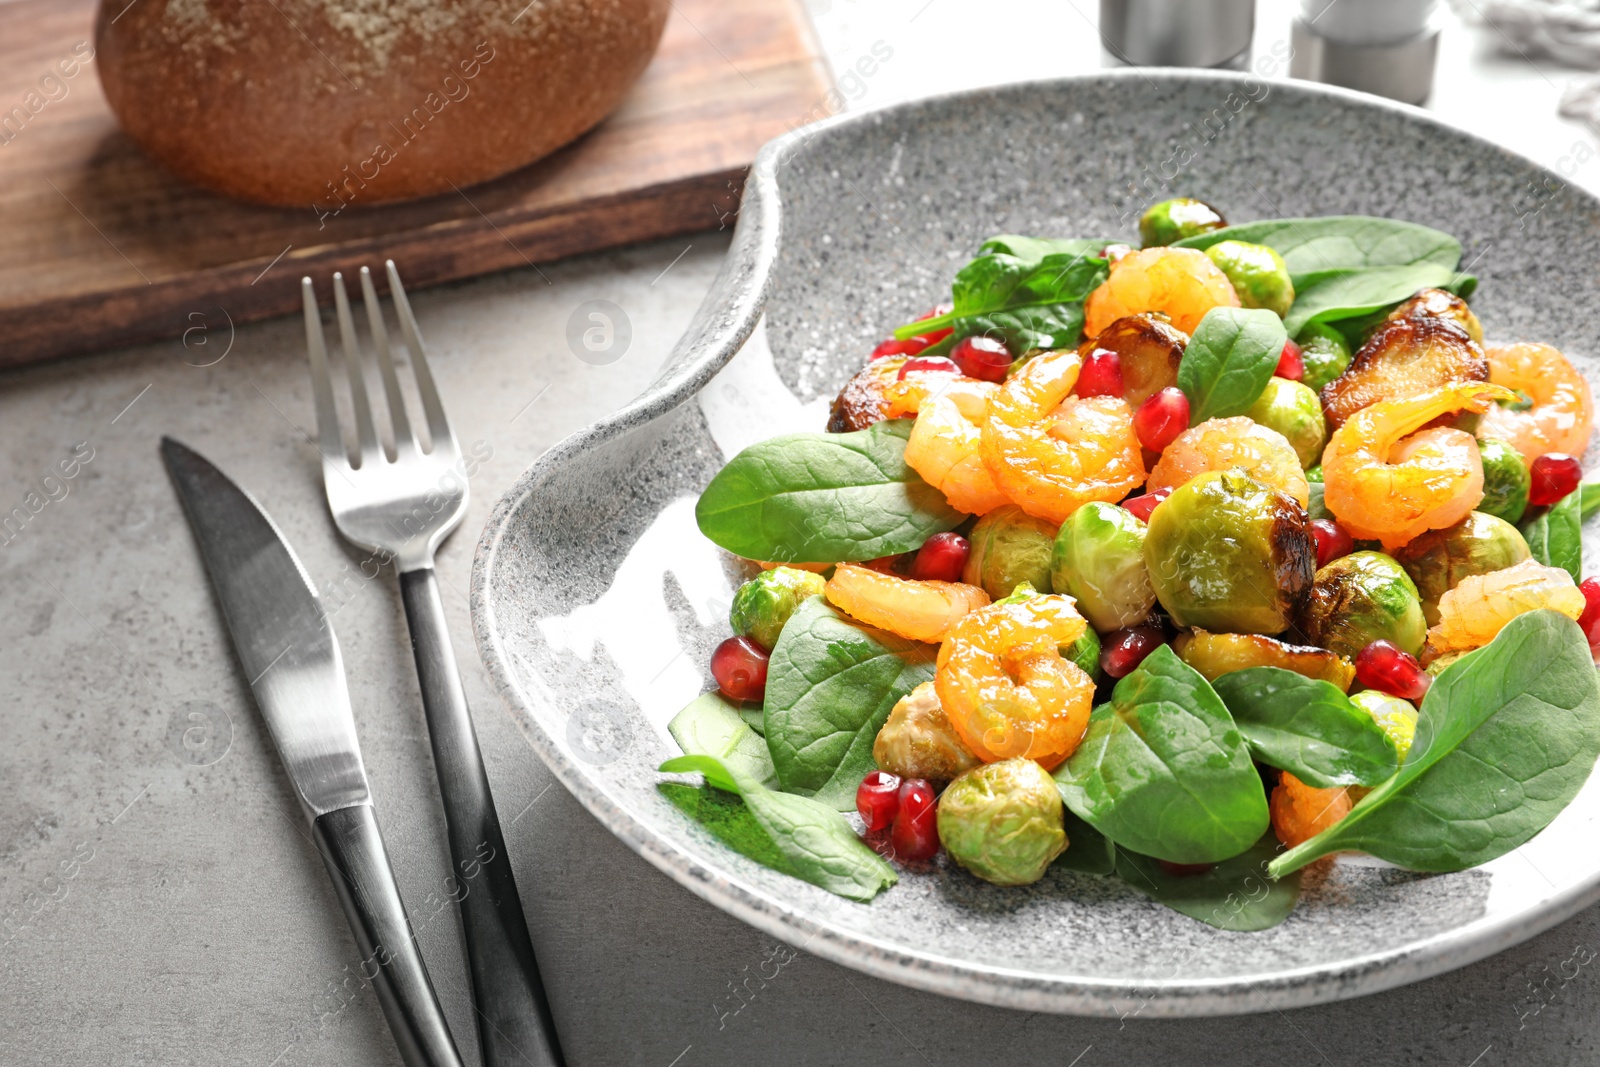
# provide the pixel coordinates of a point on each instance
(1178, 33)
(1387, 47)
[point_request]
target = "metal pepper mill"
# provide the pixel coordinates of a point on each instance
(1386, 47)
(1179, 33)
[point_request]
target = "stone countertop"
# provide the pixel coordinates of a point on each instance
(160, 902)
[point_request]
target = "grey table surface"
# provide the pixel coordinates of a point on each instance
(160, 902)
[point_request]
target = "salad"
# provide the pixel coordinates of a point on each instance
(1190, 564)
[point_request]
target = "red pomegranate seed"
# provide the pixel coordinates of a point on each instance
(1142, 506)
(1333, 541)
(877, 799)
(916, 826)
(1290, 365)
(933, 337)
(1123, 650)
(909, 347)
(1555, 474)
(1161, 418)
(981, 357)
(1101, 374)
(1384, 666)
(929, 364)
(941, 558)
(740, 667)
(1589, 621)
(1185, 870)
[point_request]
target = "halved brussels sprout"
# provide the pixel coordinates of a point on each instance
(764, 603)
(1148, 349)
(1506, 481)
(917, 740)
(1439, 559)
(1214, 655)
(1003, 821)
(1325, 353)
(1402, 358)
(861, 402)
(1173, 220)
(1259, 275)
(1397, 717)
(1441, 304)
(1229, 554)
(1360, 598)
(1296, 412)
(1009, 547)
(1099, 560)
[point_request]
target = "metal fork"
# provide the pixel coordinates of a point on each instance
(403, 508)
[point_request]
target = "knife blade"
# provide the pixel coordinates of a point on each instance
(291, 659)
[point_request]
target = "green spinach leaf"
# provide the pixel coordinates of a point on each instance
(823, 498)
(711, 725)
(1590, 493)
(1088, 850)
(1340, 242)
(1324, 296)
(831, 683)
(1555, 538)
(1506, 737)
(1229, 361)
(728, 819)
(1307, 727)
(1164, 771)
(1236, 894)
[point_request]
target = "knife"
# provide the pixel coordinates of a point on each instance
(291, 657)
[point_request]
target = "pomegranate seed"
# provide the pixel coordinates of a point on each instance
(1555, 474)
(740, 667)
(933, 337)
(1590, 619)
(1185, 870)
(982, 357)
(916, 826)
(877, 799)
(909, 347)
(1161, 418)
(929, 364)
(1142, 506)
(1123, 650)
(941, 558)
(1333, 541)
(1290, 365)
(1384, 666)
(1101, 374)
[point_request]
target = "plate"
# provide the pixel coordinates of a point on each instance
(596, 602)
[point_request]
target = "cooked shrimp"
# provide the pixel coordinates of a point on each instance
(1183, 283)
(1005, 686)
(906, 396)
(944, 446)
(1051, 452)
(1471, 614)
(1301, 812)
(920, 611)
(1218, 444)
(1563, 409)
(1383, 488)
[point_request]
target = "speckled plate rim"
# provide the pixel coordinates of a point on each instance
(726, 318)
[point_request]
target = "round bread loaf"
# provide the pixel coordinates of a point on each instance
(340, 102)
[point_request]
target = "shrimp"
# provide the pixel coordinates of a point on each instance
(1471, 614)
(944, 446)
(919, 611)
(1005, 686)
(1181, 282)
(1301, 812)
(1051, 452)
(1218, 444)
(1382, 488)
(1563, 409)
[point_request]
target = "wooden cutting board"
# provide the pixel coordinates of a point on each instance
(99, 247)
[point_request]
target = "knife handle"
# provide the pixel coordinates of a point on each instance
(352, 848)
(515, 1028)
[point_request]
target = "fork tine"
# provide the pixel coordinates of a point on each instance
(329, 439)
(403, 437)
(438, 423)
(366, 434)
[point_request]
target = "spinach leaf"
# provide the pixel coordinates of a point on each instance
(711, 725)
(728, 819)
(1340, 242)
(1506, 737)
(816, 843)
(1088, 850)
(823, 498)
(1324, 296)
(1317, 508)
(1307, 727)
(1163, 770)
(831, 683)
(1229, 361)
(1590, 492)
(1555, 538)
(1236, 894)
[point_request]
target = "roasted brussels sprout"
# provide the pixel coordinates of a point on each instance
(1258, 274)
(1229, 554)
(1148, 349)
(1314, 475)
(1085, 652)
(1441, 304)
(1002, 821)
(764, 603)
(1505, 481)
(1214, 655)
(1294, 411)
(861, 402)
(1324, 352)
(1009, 547)
(1397, 717)
(1099, 560)
(1439, 559)
(1173, 220)
(1402, 358)
(1360, 598)
(917, 740)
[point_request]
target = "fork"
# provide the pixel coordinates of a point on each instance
(402, 505)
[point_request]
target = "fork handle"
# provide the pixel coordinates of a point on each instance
(515, 1028)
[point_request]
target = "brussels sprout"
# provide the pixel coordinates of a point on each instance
(764, 603)
(1085, 652)
(1002, 821)
(1214, 655)
(1397, 717)
(1360, 598)
(1441, 304)
(1325, 353)
(1402, 358)
(1009, 547)
(917, 740)
(862, 401)
(1099, 560)
(1173, 220)
(1439, 559)
(1505, 481)
(1296, 412)
(1258, 274)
